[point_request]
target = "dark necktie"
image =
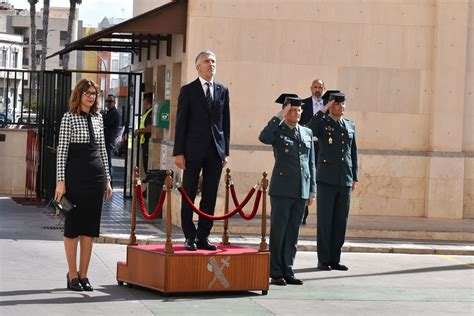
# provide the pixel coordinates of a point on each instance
(208, 95)
(297, 135)
(341, 124)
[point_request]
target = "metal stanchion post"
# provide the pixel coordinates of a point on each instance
(169, 186)
(133, 237)
(263, 242)
(225, 236)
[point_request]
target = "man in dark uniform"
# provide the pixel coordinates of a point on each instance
(111, 127)
(336, 178)
(310, 107)
(292, 185)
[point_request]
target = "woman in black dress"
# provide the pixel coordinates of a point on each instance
(83, 177)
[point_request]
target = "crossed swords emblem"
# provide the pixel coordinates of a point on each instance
(213, 266)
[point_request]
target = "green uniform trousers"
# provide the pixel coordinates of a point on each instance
(285, 221)
(332, 215)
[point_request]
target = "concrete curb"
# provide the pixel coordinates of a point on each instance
(400, 247)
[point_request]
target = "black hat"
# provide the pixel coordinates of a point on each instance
(335, 95)
(291, 98)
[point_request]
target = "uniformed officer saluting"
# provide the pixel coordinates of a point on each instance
(292, 185)
(336, 178)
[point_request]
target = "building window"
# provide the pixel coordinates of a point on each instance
(62, 38)
(60, 60)
(15, 60)
(3, 58)
(115, 65)
(114, 83)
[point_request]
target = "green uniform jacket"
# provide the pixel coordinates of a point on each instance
(294, 171)
(337, 160)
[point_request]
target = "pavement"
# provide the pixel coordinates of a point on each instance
(33, 268)
(386, 276)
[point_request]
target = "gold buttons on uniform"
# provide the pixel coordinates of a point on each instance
(281, 173)
(324, 160)
(286, 150)
(343, 150)
(343, 142)
(342, 159)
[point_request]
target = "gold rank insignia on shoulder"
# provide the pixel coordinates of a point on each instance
(330, 140)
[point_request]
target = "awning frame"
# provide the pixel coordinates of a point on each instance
(138, 33)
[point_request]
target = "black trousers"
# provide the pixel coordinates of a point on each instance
(333, 210)
(145, 156)
(211, 166)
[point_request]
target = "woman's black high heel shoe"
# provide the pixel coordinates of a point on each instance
(74, 284)
(86, 286)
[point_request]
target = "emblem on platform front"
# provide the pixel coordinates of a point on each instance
(213, 266)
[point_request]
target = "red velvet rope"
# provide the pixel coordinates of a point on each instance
(255, 204)
(213, 217)
(142, 204)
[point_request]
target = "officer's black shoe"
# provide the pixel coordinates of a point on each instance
(339, 267)
(293, 280)
(278, 281)
(323, 266)
(205, 244)
(190, 245)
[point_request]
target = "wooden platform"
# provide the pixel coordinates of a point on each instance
(229, 268)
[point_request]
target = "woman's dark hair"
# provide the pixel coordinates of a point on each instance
(75, 100)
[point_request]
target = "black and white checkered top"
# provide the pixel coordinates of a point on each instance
(74, 130)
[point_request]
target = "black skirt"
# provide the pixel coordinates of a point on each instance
(85, 187)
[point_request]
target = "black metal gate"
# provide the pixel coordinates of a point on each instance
(44, 99)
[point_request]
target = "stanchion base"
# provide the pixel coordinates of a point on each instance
(229, 268)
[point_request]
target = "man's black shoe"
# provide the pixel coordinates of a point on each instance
(205, 245)
(190, 245)
(278, 281)
(293, 280)
(322, 266)
(339, 267)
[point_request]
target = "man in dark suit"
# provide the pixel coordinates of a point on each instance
(111, 127)
(292, 186)
(336, 178)
(310, 107)
(201, 143)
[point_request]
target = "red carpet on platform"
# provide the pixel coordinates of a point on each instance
(179, 249)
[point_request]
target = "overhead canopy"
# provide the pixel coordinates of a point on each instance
(142, 31)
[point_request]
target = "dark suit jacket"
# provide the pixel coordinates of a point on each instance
(337, 161)
(197, 126)
(111, 126)
(307, 111)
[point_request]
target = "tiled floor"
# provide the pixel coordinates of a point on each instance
(116, 213)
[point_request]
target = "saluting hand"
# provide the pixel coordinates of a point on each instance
(285, 110)
(327, 106)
